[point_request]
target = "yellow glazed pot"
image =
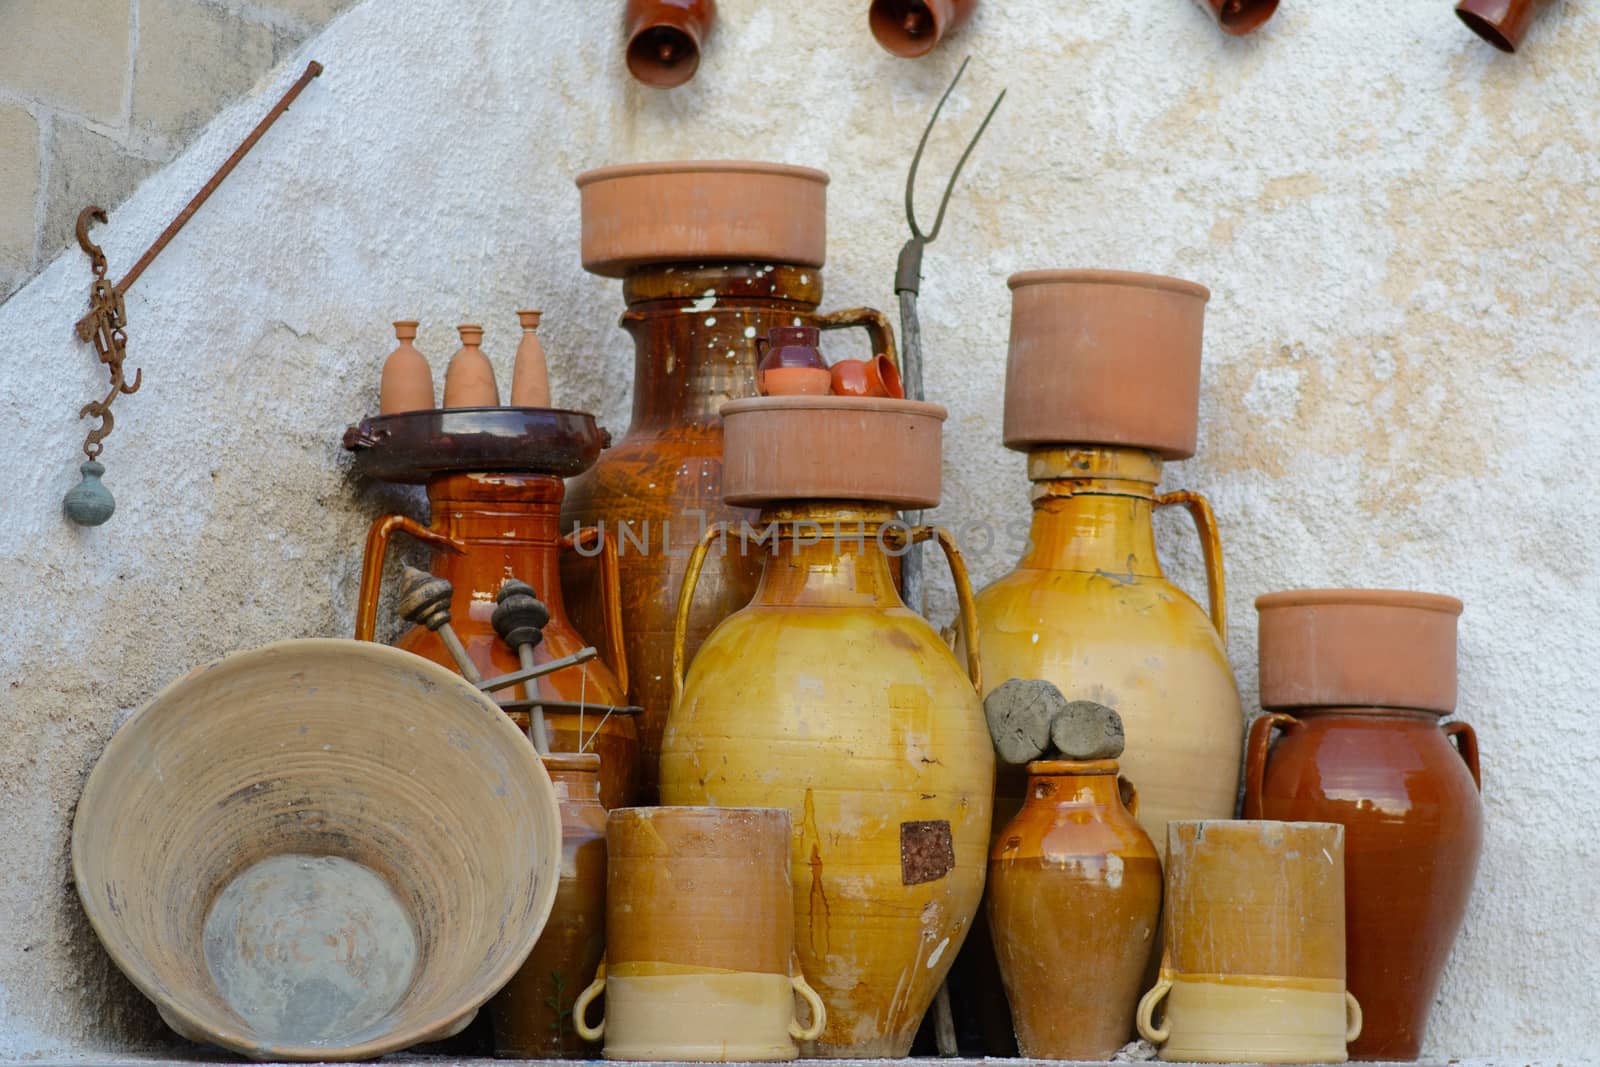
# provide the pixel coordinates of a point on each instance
(1089, 609)
(1253, 970)
(828, 696)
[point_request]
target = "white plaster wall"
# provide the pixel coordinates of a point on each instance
(1398, 225)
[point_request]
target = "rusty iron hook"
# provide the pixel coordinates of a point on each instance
(908, 271)
(86, 216)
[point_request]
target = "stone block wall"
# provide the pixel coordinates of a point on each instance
(96, 94)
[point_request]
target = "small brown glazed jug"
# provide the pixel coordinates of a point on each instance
(665, 37)
(1357, 681)
(700, 955)
(1074, 907)
(533, 1013)
(1238, 17)
(1500, 22)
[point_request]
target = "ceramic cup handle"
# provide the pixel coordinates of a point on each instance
(580, 1008)
(875, 322)
(819, 1011)
(1147, 1010)
(1352, 1017)
(372, 564)
(1256, 750)
(1205, 524)
(680, 620)
(610, 596)
(1466, 739)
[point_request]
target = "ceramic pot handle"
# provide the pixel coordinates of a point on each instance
(1205, 524)
(372, 564)
(1466, 740)
(875, 322)
(964, 599)
(1256, 750)
(610, 596)
(580, 1007)
(680, 619)
(1147, 1011)
(819, 1011)
(1129, 795)
(1352, 1017)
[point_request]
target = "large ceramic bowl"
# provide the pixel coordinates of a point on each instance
(722, 211)
(777, 448)
(1358, 648)
(318, 850)
(1104, 357)
(414, 446)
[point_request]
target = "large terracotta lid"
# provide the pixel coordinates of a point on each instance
(1358, 648)
(777, 448)
(726, 211)
(1104, 357)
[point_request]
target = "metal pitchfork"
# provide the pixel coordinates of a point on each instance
(907, 280)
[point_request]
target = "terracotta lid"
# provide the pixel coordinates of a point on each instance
(718, 211)
(1104, 357)
(1358, 648)
(777, 448)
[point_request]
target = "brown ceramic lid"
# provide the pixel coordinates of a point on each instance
(1104, 357)
(718, 211)
(1358, 648)
(777, 448)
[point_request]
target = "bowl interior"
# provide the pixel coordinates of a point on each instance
(318, 848)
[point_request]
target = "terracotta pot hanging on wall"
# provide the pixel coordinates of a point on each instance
(1238, 17)
(1357, 681)
(1502, 23)
(665, 37)
(912, 28)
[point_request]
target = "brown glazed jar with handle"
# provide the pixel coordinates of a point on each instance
(1074, 905)
(533, 1013)
(713, 255)
(1357, 682)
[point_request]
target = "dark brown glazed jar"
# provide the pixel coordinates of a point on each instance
(695, 329)
(508, 526)
(1408, 800)
(533, 1013)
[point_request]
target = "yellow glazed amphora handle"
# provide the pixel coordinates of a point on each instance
(964, 599)
(680, 618)
(580, 1007)
(1352, 1017)
(1205, 524)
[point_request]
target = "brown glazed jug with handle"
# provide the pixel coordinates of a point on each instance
(1074, 908)
(533, 1017)
(712, 255)
(1356, 682)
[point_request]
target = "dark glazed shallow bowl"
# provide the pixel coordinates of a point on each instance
(413, 446)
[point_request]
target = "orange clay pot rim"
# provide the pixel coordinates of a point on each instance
(570, 761)
(1368, 598)
(1131, 278)
(1050, 767)
(880, 405)
(701, 166)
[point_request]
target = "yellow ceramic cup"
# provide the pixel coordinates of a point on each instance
(1253, 968)
(700, 961)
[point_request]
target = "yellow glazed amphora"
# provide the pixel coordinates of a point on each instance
(1089, 609)
(829, 696)
(1102, 385)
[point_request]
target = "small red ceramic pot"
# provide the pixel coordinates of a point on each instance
(871, 377)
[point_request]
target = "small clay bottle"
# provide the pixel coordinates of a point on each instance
(792, 365)
(407, 382)
(530, 376)
(469, 380)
